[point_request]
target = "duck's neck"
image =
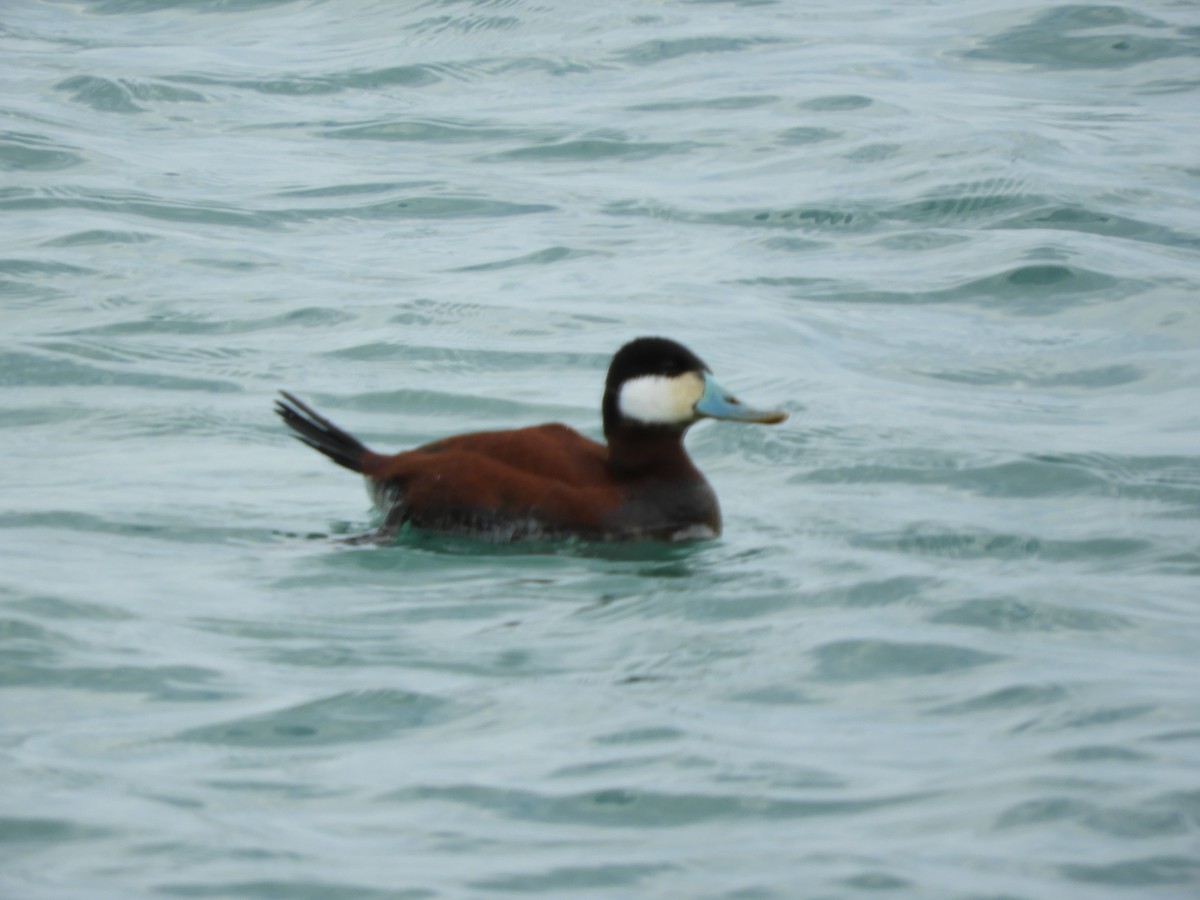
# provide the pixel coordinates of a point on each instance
(647, 452)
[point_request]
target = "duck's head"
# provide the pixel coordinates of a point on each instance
(656, 383)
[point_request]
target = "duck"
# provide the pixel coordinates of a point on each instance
(549, 481)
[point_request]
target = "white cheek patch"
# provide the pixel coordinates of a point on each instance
(660, 399)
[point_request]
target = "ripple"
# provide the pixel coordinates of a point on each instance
(1030, 477)
(803, 218)
(1079, 218)
(877, 881)
(300, 86)
(548, 256)
(1015, 696)
(868, 660)
(118, 96)
(1051, 40)
(936, 540)
(38, 831)
(1044, 809)
(1028, 289)
(67, 520)
(978, 203)
(574, 878)
(1086, 718)
(874, 153)
(99, 237)
(1101, 753)
(176, 684)
(465, 24)
(342, 718)
(133, 7)
(49, 606)
(747, 101)
(431, 131)
(40, 267)
(1171, 482)
(587, 149)
(305, 889)
(1143, 871)
(189, 323)
(34, 153)
(868, 593)
(651, 53)
(26, 369)
(1010, 614)
(419, 208)
(1096, 378)
(794, 137)
(137, 204)
(355, 189)
(25, 643)
(622, 808)
(480, 359)
(837, 103)
(208, 213)
(640, 736)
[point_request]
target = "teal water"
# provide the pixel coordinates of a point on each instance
(949, 645)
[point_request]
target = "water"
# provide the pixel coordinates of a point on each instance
(947, 646)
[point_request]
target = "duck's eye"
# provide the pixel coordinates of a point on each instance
(670, 367)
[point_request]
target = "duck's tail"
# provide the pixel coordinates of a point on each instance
(322, 435)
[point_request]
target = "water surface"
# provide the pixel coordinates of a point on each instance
(947, 646)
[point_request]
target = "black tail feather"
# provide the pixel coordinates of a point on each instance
(319, 433)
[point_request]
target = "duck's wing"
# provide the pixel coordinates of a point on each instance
(553, 452)
(533, 481)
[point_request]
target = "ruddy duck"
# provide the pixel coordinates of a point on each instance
(549, 481)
